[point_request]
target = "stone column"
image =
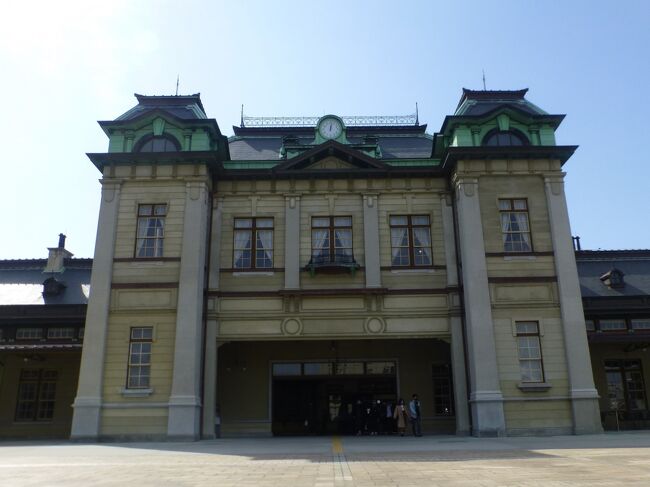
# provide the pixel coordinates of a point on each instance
(486, 399)
(185, 398)
(215, 243)
(372, 264)
(459, 377)
(87, 405)
(210, 381)
(584, 397)
(449, 239)
(292, 241)
(455, 322)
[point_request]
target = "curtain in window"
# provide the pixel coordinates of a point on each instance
(399, 242)
(264, 248)
(242, 256)
(515, 230)
(149, 231)
(343, 242)
(320, 243)
(422, 246)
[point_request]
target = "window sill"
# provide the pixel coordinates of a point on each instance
(136, 392)
(519, 257)
(534, 386)
(252, 273)
(411, 270)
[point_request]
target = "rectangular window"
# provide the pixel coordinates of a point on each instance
(60, 333)
(410, 240)
(139, 369)
(253, 243)
(514, 225)
(81, 333)
(29, 333)
(150, 231)
(625, 385)
(287, 369)
(590, 325)
(612, 325)
(380, 368)
(530, 351)
(36, 395)
(640, 323)
(349, 368)
(331, 240)
(443, 404)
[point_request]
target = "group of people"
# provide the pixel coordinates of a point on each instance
(383, 417)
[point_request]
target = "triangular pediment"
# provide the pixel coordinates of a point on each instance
(331, 155)
(331, 163)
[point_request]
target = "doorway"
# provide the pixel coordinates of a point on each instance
(354, 401)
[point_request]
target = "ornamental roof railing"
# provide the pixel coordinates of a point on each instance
(348, 120)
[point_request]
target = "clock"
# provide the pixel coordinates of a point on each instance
(330, 127)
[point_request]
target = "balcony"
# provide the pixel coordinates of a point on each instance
(336, 263)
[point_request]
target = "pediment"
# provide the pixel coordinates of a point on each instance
(331, 163)
(331, 155)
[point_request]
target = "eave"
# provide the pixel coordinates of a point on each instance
(517, 113)
(208, 123)
(103, 159)
(561, 152)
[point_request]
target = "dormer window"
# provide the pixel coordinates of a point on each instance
(613, 279)
(504, 138)
(158, 143)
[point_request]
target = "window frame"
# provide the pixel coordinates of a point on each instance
(253, 229)
(440, 378)
(159, 240)
(39, 402)
(133, 340)
(537, 335)
(411, 247)
(517, 134)
(331, 231)
(504, 234)
(151, 138)
(622, 369)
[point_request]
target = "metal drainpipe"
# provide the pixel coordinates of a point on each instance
(462, 300)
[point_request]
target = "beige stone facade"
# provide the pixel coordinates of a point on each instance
(292, 345)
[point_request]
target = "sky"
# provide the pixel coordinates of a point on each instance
(66, 64)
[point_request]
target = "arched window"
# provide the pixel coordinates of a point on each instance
(504, 138)
(158, 143)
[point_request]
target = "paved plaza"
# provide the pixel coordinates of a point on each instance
(598, 460)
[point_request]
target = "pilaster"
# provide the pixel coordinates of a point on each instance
(584, 397)
(449, 239)
(372, 264)
(215, 243)
(485, 396)
(87, 404)
(185, 398)
(292, 242)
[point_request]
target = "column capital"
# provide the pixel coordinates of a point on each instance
(369, 199)
(464, 185)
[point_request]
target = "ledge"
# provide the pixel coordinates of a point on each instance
(136, 392)
(534, 386)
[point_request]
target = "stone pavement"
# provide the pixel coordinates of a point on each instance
(599, 460)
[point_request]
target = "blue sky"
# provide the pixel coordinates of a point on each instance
(66, 65)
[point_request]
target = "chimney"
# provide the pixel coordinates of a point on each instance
(56, 257)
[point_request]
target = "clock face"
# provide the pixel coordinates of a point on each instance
(330, 128)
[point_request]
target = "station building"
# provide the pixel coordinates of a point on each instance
(262, 284)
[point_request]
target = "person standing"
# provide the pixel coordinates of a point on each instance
(401, 414)
(416, 418)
